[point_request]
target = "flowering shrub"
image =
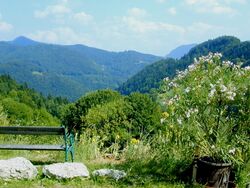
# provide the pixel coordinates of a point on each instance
(208, 109)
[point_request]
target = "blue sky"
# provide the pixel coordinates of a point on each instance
(149, 26)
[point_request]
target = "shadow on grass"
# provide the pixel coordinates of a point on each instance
(37, 162)
(145, 173)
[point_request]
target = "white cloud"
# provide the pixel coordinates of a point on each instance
(55, 10)
(236, 1)
(160, 1)
(172, 11)
(61, 35)
(82, 17)
(136, 21)
(202, 27)
(137, 12)
(141, 26)
(212, 6)
(4, 26)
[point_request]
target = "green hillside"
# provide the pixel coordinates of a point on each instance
(151, 76)
(68, 71)
(24, 106)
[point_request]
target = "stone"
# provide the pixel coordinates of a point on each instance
(65, 170)
(116, 174)
(17, 168)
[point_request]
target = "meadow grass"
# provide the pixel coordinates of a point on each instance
(88, 152)
(145, 165)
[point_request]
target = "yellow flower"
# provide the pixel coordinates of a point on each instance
(117, 137)
(165, 115)
(134, 141)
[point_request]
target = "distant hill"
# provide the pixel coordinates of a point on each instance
(23, 41)
(180, 51)
(68, 70)
(151, 76)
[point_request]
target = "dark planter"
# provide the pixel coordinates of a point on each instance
(213, 174)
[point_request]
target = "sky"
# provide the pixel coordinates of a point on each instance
(148, 26)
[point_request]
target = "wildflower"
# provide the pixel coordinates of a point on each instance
(223, 88)
(212, 147)
(231, 95)
(191, 111)
(162, 120)
(134, 141)
(196, 110)
(232, 151)
(188, 114)
(171, 126)
(187, 90)
(117, 137)
(172, 84)
(179, 121)
(247, 68)
(218, 55)
(165, 114)
(195, 60)
(228, 63)
(166, 79)
(212, 92)
(191, 67)
(170, 102)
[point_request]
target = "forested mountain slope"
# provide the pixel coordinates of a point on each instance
(151, 76)
(68, 70)
(25, 106)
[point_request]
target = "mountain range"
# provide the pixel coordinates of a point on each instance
(151, 76)
(68, 70)
(180, 51)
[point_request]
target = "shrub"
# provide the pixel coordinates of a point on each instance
(208, 109)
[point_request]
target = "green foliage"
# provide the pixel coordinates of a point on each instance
(24, 106)
(114, 118)
(109, 121)
(74, 112)
(3, 117)
(151, 76)
(143, 115)
(207, 110)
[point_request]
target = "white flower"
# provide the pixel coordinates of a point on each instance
(181, 74)
(232, 151)
(228, 63)
(231, 95)
(219, 55)
(188, 114)
(172, 84)
(212, 147)
(171, 101)
(195, 60)
(196, 110)
(212, 92)
(223, 88)
(191, 67)
(179, 121)
(187, 90)
(163, 120)
(166, 79)
(247, 68)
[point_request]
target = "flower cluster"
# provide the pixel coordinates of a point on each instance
(209, 99)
